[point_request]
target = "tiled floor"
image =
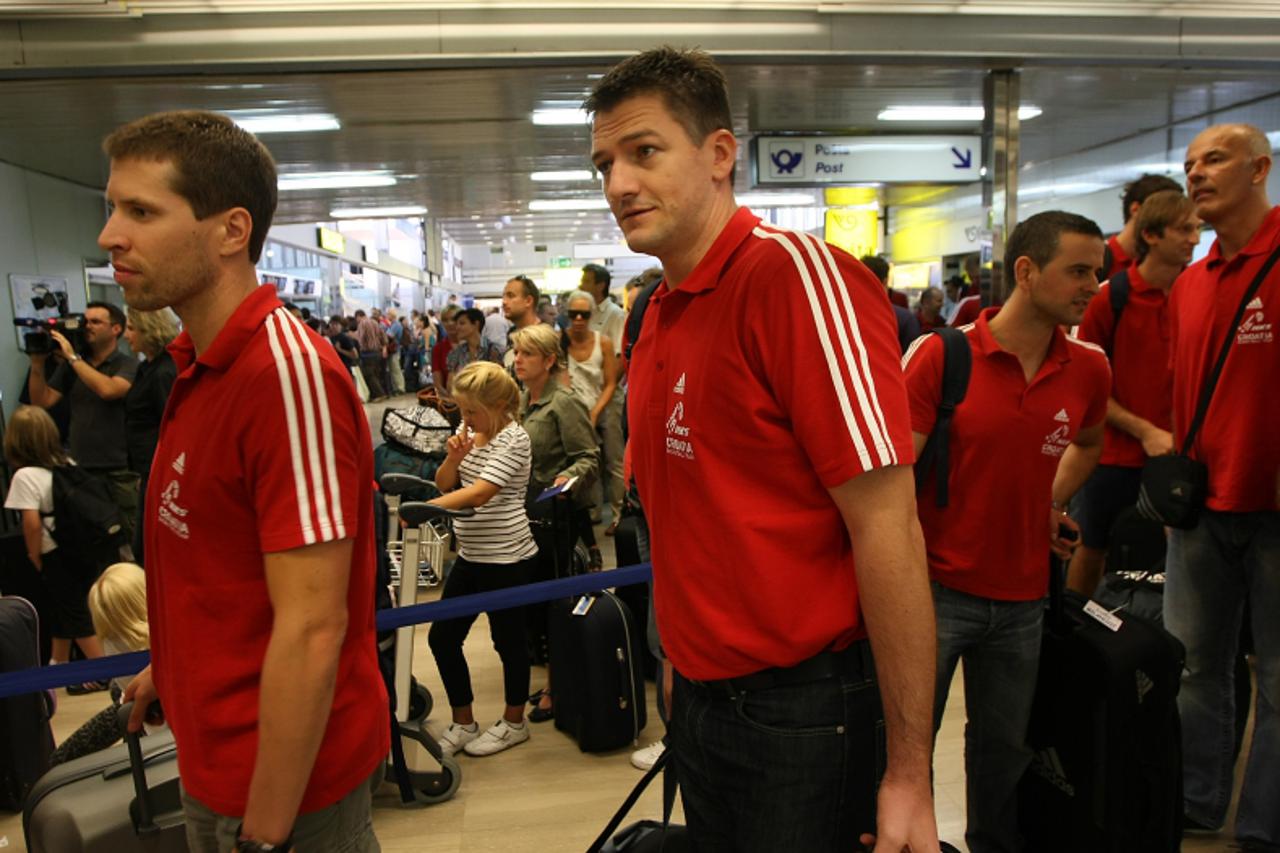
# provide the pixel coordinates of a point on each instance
(544, 795)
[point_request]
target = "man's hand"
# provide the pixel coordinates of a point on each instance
(141, 692)
(1157, 442)
(1062, 546)
(904, 818)
(64, 346)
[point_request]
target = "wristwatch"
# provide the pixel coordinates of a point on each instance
(75, 356)
(248, 845)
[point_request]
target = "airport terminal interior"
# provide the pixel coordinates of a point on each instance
(430, 150)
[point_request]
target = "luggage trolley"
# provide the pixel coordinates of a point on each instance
(433, 776)
(431, 543)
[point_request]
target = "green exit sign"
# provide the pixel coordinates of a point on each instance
(562, 262)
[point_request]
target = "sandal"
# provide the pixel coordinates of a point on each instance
(611, 529)
(541, 714)
(595, 560)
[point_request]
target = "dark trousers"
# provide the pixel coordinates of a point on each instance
(793, 767)
(505, 626)
(372, 367)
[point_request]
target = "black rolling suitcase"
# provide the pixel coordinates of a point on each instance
(26, 740)
(120, 800)
(635, 595)
(595, 672)
(1106, 771)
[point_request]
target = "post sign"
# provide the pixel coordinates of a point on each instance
(817, 160)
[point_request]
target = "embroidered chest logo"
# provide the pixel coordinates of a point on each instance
(171, 513)
(678, 443)
(1055, 443)
(1254, 328)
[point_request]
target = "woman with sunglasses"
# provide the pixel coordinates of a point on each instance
(593, 376)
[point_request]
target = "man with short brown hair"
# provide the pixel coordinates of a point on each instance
(259, 520)
(771, 447)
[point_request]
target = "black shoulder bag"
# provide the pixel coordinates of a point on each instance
(957, 362)
(1174, 487)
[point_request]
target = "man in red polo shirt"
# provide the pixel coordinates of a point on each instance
(1036, 402)
(1232, 557)
(770, 444)
(1122, 247)
(1140, 411)
(259, 518)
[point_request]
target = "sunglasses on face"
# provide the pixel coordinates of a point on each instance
(579, 315)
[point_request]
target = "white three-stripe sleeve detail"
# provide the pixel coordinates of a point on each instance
(872, 413)
(824, 338)
(330, 461)
(295, 440)
(914, 347)
(292, 331)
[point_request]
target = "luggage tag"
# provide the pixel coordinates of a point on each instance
(583, 605)
(1104, 616)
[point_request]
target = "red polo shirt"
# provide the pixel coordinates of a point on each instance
(767, 377)
(1006, 440)
(1238, 439)
(1120, 259)
(264, 447)
(1142, 380)
(967, 311)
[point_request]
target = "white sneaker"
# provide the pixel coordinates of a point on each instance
(501, 735)
(644, 759)
(457, 736)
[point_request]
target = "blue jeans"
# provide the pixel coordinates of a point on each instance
(787, 768)
(1228, 559)
(999, 642)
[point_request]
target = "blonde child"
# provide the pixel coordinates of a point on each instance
(118, 606)
(487, 468)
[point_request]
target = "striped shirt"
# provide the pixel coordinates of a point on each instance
(499, 531)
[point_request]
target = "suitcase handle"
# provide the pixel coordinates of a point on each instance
(146, 814)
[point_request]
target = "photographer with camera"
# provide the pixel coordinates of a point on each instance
(95, 376)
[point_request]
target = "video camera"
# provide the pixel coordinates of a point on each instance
(38, 341)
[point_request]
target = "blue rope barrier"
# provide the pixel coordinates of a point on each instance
(113, 666)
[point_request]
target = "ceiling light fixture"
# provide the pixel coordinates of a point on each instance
(569, 204)
(258, 123)
(560, 116)
(377, 212)
(947, 113)
(564, 175)
(335, 180)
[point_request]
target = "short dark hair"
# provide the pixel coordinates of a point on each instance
(600, 274)
(218, 164)
(878, 266)
(1037, 238)
(530, 289)
(339, 319)
(475, 315)
(1136, 192)
(688, 81)
(1158, 212)
(115, 312)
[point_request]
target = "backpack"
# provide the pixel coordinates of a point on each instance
(88, 525)
(1118, 295)
(957, 362)
(635, 322)
(406, 336)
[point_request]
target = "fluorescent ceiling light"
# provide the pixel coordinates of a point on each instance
(377, 212)
(300, 123)
(560, 116)
(776, 200)
(567, 175)
(944, 113)
(569, 204)
(1061, 189)
(335, 180)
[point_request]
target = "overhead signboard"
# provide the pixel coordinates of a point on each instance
(816, 160)
(330, 240)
